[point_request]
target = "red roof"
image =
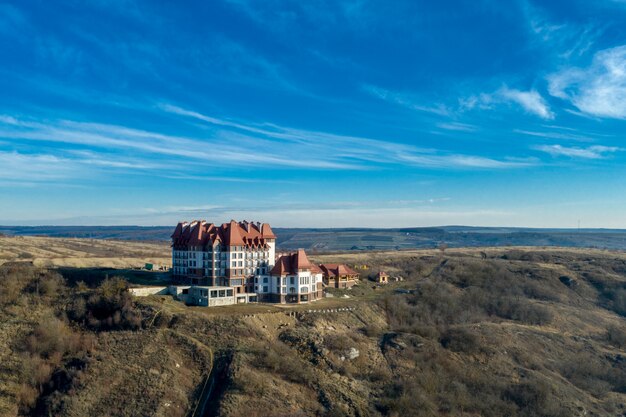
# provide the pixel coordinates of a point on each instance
(292, 263)
(333, 270)
(201, 233)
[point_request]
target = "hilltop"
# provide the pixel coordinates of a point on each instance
(492, 332)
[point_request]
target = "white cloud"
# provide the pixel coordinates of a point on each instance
(555, 135)
(567, 39)
(591, 152)
(226, 144)
(598, 90)
(34, 167)
(531, 101)
(352, 149)
(405, 100)
(456, 126)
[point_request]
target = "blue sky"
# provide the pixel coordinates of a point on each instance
(313, 113)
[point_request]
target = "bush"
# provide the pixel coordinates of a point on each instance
(594, 373)
(13, 281)
(51, 362)
(616, 336)
(46, 284)
(277, 357)
(533, 398)
(460, 340)
(519, 310)
(338, 343)
(108, 307)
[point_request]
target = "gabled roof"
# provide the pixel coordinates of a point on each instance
(267, 232)
(201, 233)
(234, 237)
(292, 263)
(333, 270)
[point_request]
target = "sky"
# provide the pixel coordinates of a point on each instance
(313, 113)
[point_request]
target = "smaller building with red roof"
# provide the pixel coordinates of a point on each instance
(382, 277)
(293, 279)
(338, 275)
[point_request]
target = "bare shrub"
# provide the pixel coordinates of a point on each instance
(533, 398)
(13, 281)
(26, 396)
(10, 290)
(53, 338)
(460, 340)
(616, 336)
(338, 342)
(279, 358)
(108, 307)
(593, 373)
(46, 284)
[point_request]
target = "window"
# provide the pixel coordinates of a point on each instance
(265, 288)
(229, 293)
(222, 293)
(264, 280)
(240, 264)
(256, 280)
(185, 290)
(291, 280)
(213, 293)
(284, 290)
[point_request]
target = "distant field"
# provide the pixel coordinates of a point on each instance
(325, 240)
(82, 253)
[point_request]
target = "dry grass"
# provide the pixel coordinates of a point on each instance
(453, 347)
(82, 253)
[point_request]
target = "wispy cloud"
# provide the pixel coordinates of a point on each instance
(363, 149)
(555, 135)
(591, 152)
(598, 90)
(566, 39)
(34, 167)
(458, 127)
(530, 100)
(229, 143)
(406, 100)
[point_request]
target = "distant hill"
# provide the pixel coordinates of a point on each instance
(325, 239)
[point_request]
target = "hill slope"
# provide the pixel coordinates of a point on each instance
(502, 332)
